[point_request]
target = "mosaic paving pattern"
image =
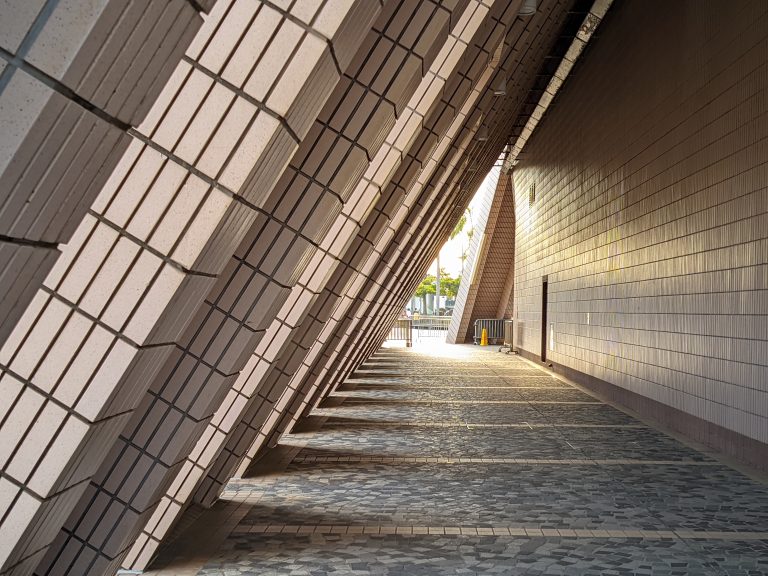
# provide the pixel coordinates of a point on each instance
(481, 413)
(541, 442)
(474, 394)
(538, 496)
(403, 475)
(432, 555)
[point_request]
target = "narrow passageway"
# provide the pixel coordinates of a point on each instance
(462, 460)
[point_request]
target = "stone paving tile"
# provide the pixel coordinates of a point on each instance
(401, 555)
(391, 460)
(334, 423)
(462, 381)
(407, 475)
(383, 529)
(712, 498)
(417, 382)
(523, 443)
(559, 496)
(642, 443)
(334, 401)
(467, 394)
(482, 413)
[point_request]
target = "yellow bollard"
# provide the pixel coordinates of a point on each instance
(484, 337)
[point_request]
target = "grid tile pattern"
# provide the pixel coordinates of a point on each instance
(488, 292)
(560, 502)
(649, 225)
(73, 79)
(307, 205)
(390, 291)
(244, 201)
(393, 171)
(112, 316)
(461, 326)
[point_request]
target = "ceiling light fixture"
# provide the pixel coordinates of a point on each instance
(528, 8)
(500, 86)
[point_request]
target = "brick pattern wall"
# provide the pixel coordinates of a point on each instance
(251, 397)
(122, 320)
(75, 78)
(651, 212)
(381, 191)
(460, 328)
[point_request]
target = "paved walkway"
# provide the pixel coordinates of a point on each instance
(467, 461)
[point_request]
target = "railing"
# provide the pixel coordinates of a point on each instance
(431, 327)
(509, 336)
(494, 328)
(401, 330)
(419, 328)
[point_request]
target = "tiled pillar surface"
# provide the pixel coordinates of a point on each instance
(361, 355)
(264, 424)
(397, 166)
(390, 290)
(414, 217)
(485, 288)
(304, 209)
(651, 224)
(113, 311)
(301, 384)
(459, 328)
(74, 78)
(338, 353)
(266, 412)
(328, 346)
(215, 344)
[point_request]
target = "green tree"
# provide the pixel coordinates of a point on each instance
(427, 286)
(450, 286)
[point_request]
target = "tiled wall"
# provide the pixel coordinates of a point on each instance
(651, 212)
(381, 191)
(74, 78)
(356, 123)
(292, 216)
(266, 384)
(121, 303)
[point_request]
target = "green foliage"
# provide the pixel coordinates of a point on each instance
(427, 286)
(471, 231)
(459, 226)
(449, 286)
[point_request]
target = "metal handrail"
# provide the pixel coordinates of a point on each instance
(430, 327)
(494, 329)
(402, 330)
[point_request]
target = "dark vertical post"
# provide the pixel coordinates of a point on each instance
(544, 319)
